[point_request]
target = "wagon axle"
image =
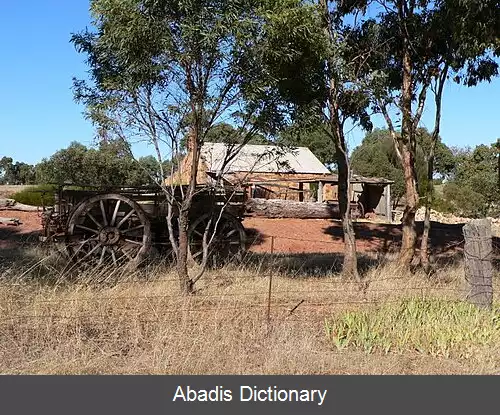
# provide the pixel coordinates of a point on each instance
(109, 235)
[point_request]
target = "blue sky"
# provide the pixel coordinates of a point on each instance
(38, 115)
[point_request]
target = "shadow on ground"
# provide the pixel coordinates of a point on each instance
(303, 265)
(16, 247)
(23, 249)
(376, 242)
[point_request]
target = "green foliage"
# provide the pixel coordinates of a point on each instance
(109, 165)
(163, 69)
(471, 187)
(413, 48)
(463, 200)
(315, 138)
(40, 195)
(16, 173)
(459, 34)
(295, 50)
(444, 159)
(376, 157)
(440, 204)
(428, 326)
(474, 187)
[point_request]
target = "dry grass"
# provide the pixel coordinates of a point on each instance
(55, 321)
(7, 190)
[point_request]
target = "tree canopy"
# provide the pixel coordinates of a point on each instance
(316, 138)
(16, 173)
(474, 187)
(108, 165)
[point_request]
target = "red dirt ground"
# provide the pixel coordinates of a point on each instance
(303, 235)
(11, 235)
(290, 235)
(323, 235)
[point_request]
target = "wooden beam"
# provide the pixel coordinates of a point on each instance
(11, 204)
(388, 203)
(320, 192)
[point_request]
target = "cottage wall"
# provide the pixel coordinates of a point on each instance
(287, 186)
(283, 185)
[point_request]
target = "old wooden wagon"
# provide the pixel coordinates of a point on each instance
(122, 225)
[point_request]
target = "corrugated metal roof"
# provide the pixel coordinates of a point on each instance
(262, 159)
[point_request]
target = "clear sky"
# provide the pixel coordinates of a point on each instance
(38, 115)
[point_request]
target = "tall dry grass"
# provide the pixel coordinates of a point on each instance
(101, 321)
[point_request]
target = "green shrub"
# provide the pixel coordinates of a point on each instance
(429, 326)
(465, 200)
(36, 195)
(442, 205)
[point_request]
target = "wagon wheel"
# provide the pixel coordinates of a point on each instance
(108, 229)
(228, 243)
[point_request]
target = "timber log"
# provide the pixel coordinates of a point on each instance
(11, 204)
(278, 208)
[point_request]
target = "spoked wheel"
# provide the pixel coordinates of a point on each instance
(227, 244)
(108, 229)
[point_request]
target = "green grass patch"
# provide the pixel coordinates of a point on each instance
(429, 326)
(36, 195)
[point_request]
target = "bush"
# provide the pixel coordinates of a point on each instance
(442, 205)
(465, 200)
(36, 195)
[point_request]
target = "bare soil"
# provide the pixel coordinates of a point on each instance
(30, 226)
(322, 236)
(291, 235)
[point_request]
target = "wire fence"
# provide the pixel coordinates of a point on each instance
(269, 282)
(269, 297)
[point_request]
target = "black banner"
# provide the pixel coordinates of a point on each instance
(152, 395)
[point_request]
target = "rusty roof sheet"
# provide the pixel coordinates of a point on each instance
(325, 178)
(262, 159)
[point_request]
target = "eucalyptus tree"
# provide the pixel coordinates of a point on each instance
(421, 45)
(466, 37)
(161, 70)
(328, 92)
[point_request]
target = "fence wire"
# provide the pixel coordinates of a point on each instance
(324, 290)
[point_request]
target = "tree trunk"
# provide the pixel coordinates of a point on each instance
(186, 284)
(11, 204)
(409, 237)
(182, 255)
(424, 245)
(407, 147)
(350, 266)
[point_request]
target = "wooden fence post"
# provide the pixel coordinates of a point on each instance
(478, 251)
(270, 287)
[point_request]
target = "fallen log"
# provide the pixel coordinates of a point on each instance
(277, 208)
(10, 221)
(7, 202)
(11, 204)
